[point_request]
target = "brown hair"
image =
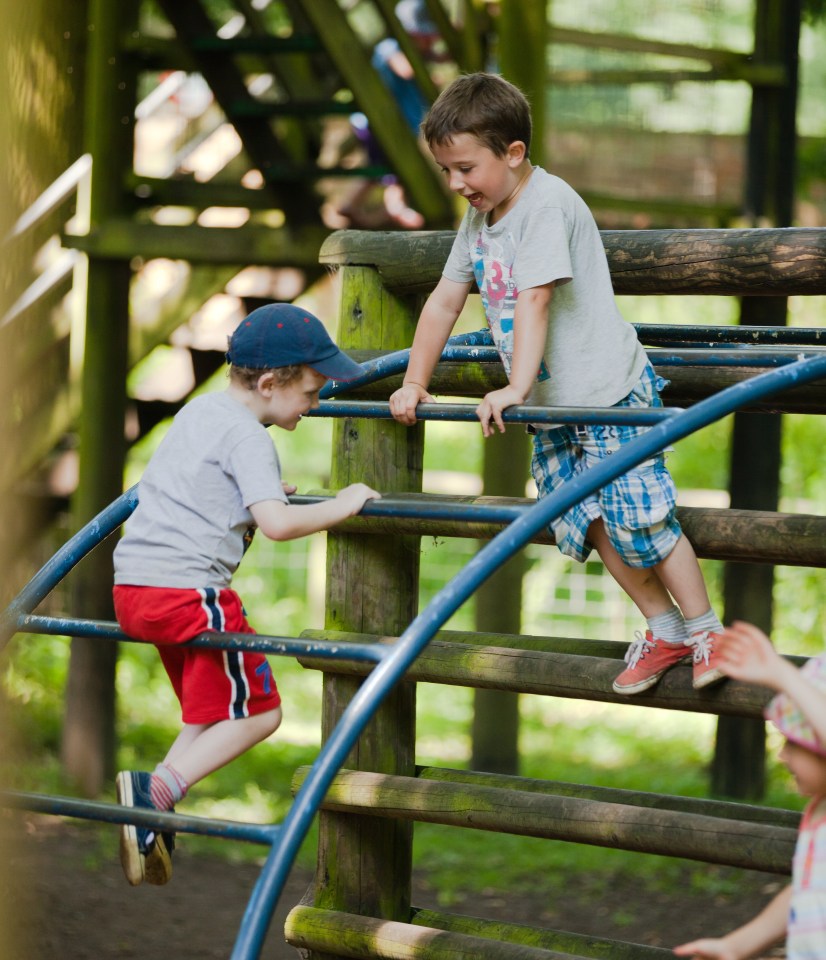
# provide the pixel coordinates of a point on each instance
(249, 376)
(484, 105)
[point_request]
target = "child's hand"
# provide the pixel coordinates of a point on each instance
(706, 949)
(355, 496)
(404, 401)
(747, 654)
(289, 488)
(492, 406)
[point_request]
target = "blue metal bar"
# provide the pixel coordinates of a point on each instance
(276, 646)
(668, 335)
(263, 833)
(478, 347)
(418, 509)
(415, 638)
(73, 551)
(377, 409)
(734, 355)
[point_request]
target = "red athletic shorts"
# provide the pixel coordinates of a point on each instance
(211, 685)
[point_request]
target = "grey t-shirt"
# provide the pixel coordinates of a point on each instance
(192, 518)
(592, 356)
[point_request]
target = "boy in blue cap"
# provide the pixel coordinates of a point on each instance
(213, 480)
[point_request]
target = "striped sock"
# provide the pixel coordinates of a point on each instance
(669, 626)
(708, 622)
(167, 787)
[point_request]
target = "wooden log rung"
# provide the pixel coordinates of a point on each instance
(368, 938)
(436, 936)
(749, 536)
(549, 673)
(673, 833)
(776, 262)
(724, 809)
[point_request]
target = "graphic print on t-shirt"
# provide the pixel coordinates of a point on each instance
(493, 269)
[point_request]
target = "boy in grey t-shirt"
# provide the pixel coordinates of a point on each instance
(213, 480)
(532, 247)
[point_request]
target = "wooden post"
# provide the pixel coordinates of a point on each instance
(495, 730)
(738, 768)
(88, 747)
(364, 864)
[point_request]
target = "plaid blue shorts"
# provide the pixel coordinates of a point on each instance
(637, 509)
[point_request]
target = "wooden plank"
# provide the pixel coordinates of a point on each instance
(121, 238)
(675, 833)
(760, 262)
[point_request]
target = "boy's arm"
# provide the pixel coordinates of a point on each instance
(747, 654)
(750, 940)
(530, 329)
(286, 521)
(437, 320)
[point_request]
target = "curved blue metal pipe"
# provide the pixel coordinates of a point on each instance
(376, 687)
(72, 552)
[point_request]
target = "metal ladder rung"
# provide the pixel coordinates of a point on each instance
(261, 643)
(262, 833)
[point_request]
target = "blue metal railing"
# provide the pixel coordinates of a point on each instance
(413, 641)
(392, 660)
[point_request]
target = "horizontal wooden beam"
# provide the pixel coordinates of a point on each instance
(716, 533)
(757, 74)
(631, 44)
(674, 833)
(366, 938)
(727, 810)
(569, 944)
(548, 673)
(431, 936)
(123, 239)
(759, 262)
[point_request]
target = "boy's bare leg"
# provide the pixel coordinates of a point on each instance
(680, 573)
(642, 584)
(200, 749)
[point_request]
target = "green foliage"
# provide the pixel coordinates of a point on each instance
(814, 10)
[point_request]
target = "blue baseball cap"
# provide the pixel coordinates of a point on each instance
(280, 335)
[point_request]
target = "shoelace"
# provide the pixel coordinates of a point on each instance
(638, 649)
(703, 647)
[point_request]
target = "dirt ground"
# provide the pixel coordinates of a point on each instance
(70, 903)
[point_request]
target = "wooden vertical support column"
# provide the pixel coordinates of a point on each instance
(364, 863)
(88, 747)
(738, 769)
(522, 56)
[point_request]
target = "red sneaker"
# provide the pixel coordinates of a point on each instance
(648, 658)
(706, 667)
